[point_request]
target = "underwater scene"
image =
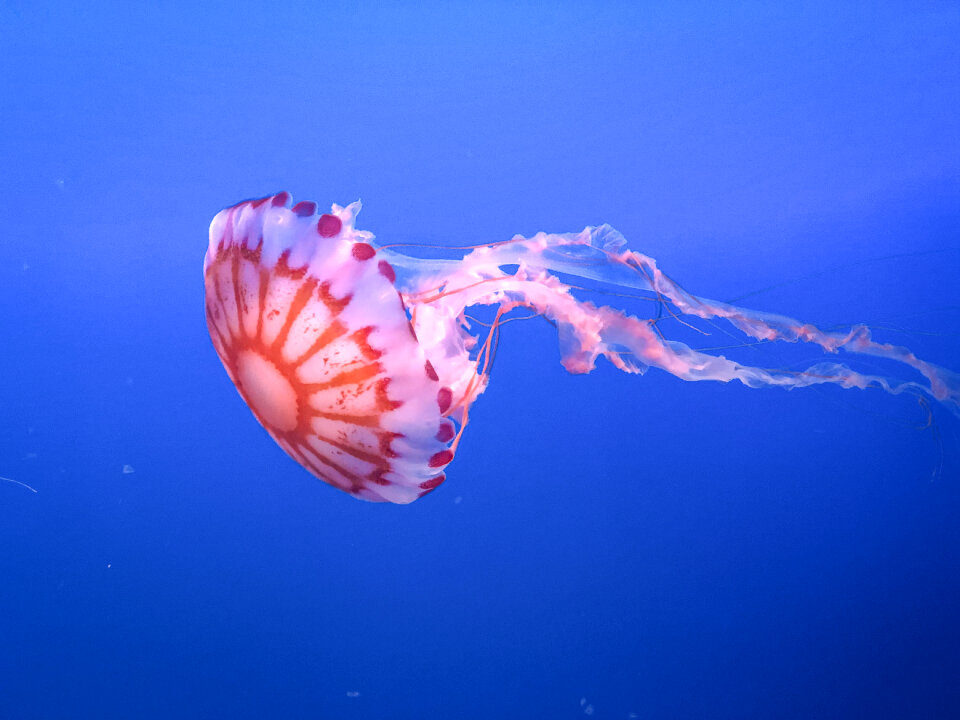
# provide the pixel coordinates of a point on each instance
(479, 360)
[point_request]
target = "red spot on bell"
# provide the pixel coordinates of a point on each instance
(444, 398)
(329, 226)
(440, 459)
(362, 251)
(280, 199)
(304, 209)
(386, 269)
(432, 482)
(431, 373)
(446, 432)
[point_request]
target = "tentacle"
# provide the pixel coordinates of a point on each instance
(631, 344)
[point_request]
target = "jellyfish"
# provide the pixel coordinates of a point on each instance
(362, 362)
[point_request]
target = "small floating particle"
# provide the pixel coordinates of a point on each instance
(128, 469)
(353, 693)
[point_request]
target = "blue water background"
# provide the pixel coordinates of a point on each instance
(607, 545)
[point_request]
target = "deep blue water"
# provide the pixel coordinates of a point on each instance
(607, 545)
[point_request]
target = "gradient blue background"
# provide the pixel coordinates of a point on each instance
(607, 543)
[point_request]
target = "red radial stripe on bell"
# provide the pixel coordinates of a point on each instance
(370, 421)
(306, 208)
(362, 251)
(384, 440)
(384, 403)
(379, 478)
(257, 203)
(431, 373)
(280, 199)
(335, 305)
(386, 269)
(362, 338)
(283, 268)
(432, 482)
(440, 459)
(252, 254)
(444, 398)
(329, 226)
(446, 432)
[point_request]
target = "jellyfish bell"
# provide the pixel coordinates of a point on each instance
(362, 365)
(313, 333)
